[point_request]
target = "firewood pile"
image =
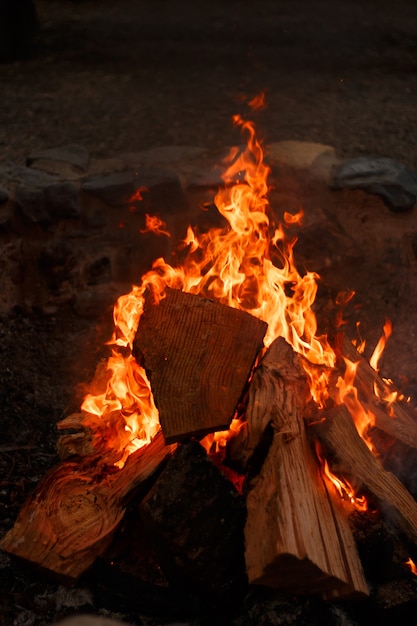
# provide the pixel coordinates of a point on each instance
(248, 480)
(287, 530)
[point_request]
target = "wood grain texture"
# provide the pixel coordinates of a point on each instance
(198, 355)
(401, 422)
(349, 456)
(297, 535)
(70, 518)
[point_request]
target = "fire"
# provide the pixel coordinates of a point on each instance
(155, 225)
(342, 487)
(248, 265)
(412, 566)
(348, 395)
(380, 346)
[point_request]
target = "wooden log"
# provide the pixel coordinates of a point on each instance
(71, 516)
(297, 535)
(195, 519)
(401, 422)
(198, 355)
(350, 457)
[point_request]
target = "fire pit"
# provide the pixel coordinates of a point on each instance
(234, 317)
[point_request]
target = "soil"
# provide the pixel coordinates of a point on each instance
(127, 76)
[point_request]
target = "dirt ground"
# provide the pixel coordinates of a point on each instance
(131, 75)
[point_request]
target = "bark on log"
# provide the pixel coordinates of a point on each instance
(349, 456)
(297, 536)
(70, 518)
(198, 355)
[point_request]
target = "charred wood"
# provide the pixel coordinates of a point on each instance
(195, 518)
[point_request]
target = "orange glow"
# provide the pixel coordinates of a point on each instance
(342, 487)
(248, 265)
(155, 225)
(411, 565)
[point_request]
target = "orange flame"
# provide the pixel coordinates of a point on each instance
(248, 265)
(155, 225)
(412, 566)
(348, 395)
(342, 487)
(380, 346)
(257, 102)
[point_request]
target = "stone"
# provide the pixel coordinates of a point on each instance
(30, 201)
(115, 189)
(17, 175)
(61, 200)
(317, 158)
(49, 203)
(159, 189)
(392, 181)
(74, 156)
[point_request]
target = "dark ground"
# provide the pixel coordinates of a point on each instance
(126, 76)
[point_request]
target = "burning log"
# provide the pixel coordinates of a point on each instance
(297, 536)
(350, 456)
(71, 516)
(195, 518)
(198, 355)
(401, 423)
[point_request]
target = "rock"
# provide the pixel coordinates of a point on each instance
(160, 189)
(392, 181)
(15, 174)
(317, 158)
(71, 159)
(61, 200)
(49, 203)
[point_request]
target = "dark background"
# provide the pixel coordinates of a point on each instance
(127, 75)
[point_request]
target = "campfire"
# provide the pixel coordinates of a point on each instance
(245, 436)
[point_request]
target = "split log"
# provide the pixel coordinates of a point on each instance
(195, 519)
(401, 423)
(71, 516)
(349, 456)
(297, 535)
(198, 355)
